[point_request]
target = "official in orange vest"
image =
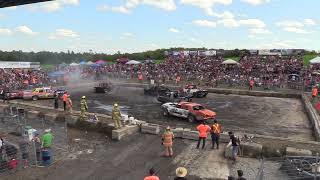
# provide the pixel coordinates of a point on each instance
(178, 79)
(251, 83)
(215, 133)
(314, 92)
(167, 141)
(203, 130)
(152, 175)
(65, 99)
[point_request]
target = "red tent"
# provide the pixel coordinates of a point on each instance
(122, 60)
(100, 62)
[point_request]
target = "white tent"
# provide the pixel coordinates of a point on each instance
(315, 60)
(230, 61)
(74, 64)
(133, 62)
(90, 63)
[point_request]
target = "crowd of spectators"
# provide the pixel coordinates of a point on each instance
(266, 71)
(17, 79)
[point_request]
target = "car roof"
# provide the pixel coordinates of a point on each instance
(189, 104)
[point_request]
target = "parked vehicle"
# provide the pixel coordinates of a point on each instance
(188, 110)
(156, 90)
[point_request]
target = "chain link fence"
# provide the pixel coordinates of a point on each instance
(21, 146)
(290, 168)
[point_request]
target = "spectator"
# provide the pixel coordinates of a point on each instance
(234, 142)
(46, 140)
(240, 174)
(37, 143)
(181, 173)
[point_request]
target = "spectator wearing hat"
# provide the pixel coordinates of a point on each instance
(46, 140)
(152, 175)
(181, 173)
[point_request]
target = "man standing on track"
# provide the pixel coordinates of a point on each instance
(203, 130)
(215, 134)
(167, 141)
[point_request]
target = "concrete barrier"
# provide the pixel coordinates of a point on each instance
(71, 120)
(50, 117)
(250, 149)
(178, 132)
(189, 134)
(290, 151)
(33, 114)
(119, 134)
(150, 128)
(313, 116)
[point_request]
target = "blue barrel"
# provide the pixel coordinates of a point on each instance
(46, 158)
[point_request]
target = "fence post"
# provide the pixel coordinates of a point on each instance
(316, 169)
(35, 153)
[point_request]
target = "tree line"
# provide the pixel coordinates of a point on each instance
(46, 57)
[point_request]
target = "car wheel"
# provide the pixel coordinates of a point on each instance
(191, 118)
(35, 98)
(165, 112)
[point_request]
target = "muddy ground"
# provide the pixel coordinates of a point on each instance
(280, 117)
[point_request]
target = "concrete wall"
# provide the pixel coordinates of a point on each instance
(313, 116)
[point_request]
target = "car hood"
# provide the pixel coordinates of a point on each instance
(208, 112)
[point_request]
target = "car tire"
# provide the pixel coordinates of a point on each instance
(35, 98)
(191, 118)
(165, 112)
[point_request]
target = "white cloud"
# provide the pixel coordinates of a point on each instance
(206, 5)
(256, 2)
(224, 15)
(25, 30)
(310, 22)
(256, 23)
(51, 6)
(5, 31)
(174, 30)
(295, 26)
(205, 23)
(229, 23)
(296, 30)
(63, 33)
(126, 35)
(259, 31)
(2, 16)
(289, 24)
(120, 9)
(103, 8)
(11, 8)
(168, 5)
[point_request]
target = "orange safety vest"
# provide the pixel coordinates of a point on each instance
(251, 82)
(152, 178)
(315, 92)
(167, 138)
(216, 128)
(203, 129)
(140, 77)
(65, 98)
(26, 82)
(178, 79)
(34, 80)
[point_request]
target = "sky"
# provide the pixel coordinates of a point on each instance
(108, 26)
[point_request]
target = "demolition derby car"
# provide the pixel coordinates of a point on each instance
(188, 110)
(173, 96)
(193, 91)
(156, 90)
(12, 95)
(103, 87)
(42, 93)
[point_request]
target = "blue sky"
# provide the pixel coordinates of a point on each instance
(136, 25)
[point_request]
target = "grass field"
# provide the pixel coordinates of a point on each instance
(236, 58)
(307, 58)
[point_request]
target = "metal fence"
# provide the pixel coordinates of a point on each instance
(290, 168)
(21, 148)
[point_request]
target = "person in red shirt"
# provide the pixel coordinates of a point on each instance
(203, 133)
(152, 175)
(251, 83)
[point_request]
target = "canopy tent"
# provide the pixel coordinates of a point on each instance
(82, 62)
(100, 62)
(132, 62)
(74, 64)
(63, 65)
(90, 63)
(230, 61)
(315, 60)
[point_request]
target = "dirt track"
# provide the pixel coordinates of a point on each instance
(281, 117)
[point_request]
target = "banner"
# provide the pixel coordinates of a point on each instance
(19, 65)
